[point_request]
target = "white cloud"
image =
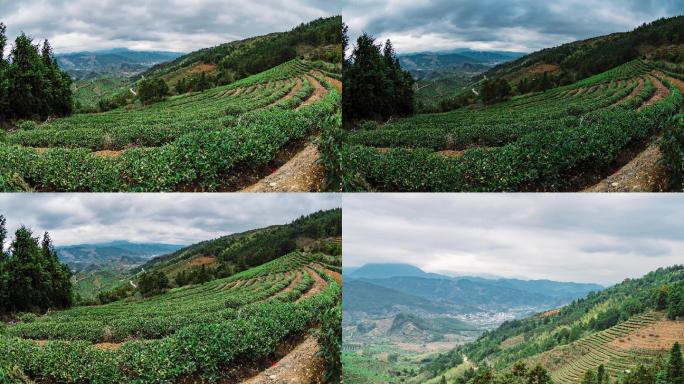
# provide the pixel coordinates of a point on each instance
(168, 218)
(177, 25)
(567, 237)
(526, 25)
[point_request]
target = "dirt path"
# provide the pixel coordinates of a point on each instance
(107, 346)
(661, 92)
(294, 283)
(335, 275)
(300, 366)
(642, 174)
(318, 93)
(319, 284)
(293, 91)
(677, 83)
(634, 92)
(107, 153)
(450, 153)
(300, 174)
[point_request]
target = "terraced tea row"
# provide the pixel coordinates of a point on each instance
(602, 348)
(546, 141)
(191, 332)
(202, 141)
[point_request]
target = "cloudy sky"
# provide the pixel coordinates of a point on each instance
(167, 218)
(567, 237)
(513, 25)
(174, 25)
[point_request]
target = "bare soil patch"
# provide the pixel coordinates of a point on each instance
(642, 174)
(450, 153)
(677, 83)
(202, 260)
(107, 153)
(202, 68)
(635, 91)
(318, 93)
(300, 366)
(512, 341)
(297, 87)
(319, 284)
(550, 312)
(541, 68)
(299, 174)
(657, 336)
(661, 92)
(108, 346)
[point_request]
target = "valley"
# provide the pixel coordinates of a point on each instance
(402, 319)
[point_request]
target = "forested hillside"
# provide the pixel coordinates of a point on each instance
(597, 331)
(320, 39)
(662, 39)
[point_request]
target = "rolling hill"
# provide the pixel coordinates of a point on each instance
(317, 40)
(623, 326)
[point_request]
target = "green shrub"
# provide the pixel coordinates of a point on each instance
(26, 125)
(27, 317)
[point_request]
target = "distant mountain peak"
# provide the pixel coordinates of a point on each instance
(388, 270)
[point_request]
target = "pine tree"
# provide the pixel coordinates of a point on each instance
(675, 305)
(29, 84)
(661, 299)
(601, 374)
(589, 377)
(675, 365)
(4, 75)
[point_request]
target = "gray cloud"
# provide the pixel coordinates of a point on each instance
(176, 25)
(171, 218)
(569, 237)
(518, 25)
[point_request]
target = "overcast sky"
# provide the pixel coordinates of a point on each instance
(173, 25)
(166, 218)
(522, 25)
(596, 238)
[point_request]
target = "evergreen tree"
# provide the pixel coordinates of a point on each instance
(661, 298)
(675, 306)
(4, 75)
(589, 377)
(27, 92)
(675, 365)
(538, 375)
(601, 377)
(375, 86)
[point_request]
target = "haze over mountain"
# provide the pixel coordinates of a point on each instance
(460, 61)
(120, 253)
(379, 287)
(118, 61)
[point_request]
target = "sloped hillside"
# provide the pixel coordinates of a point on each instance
(634, 322)
(236, 252)
(564, 64)
(317, 40)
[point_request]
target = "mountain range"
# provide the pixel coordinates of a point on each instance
(464, 62)
(378, 288)
(87, 257)
(119, 61)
